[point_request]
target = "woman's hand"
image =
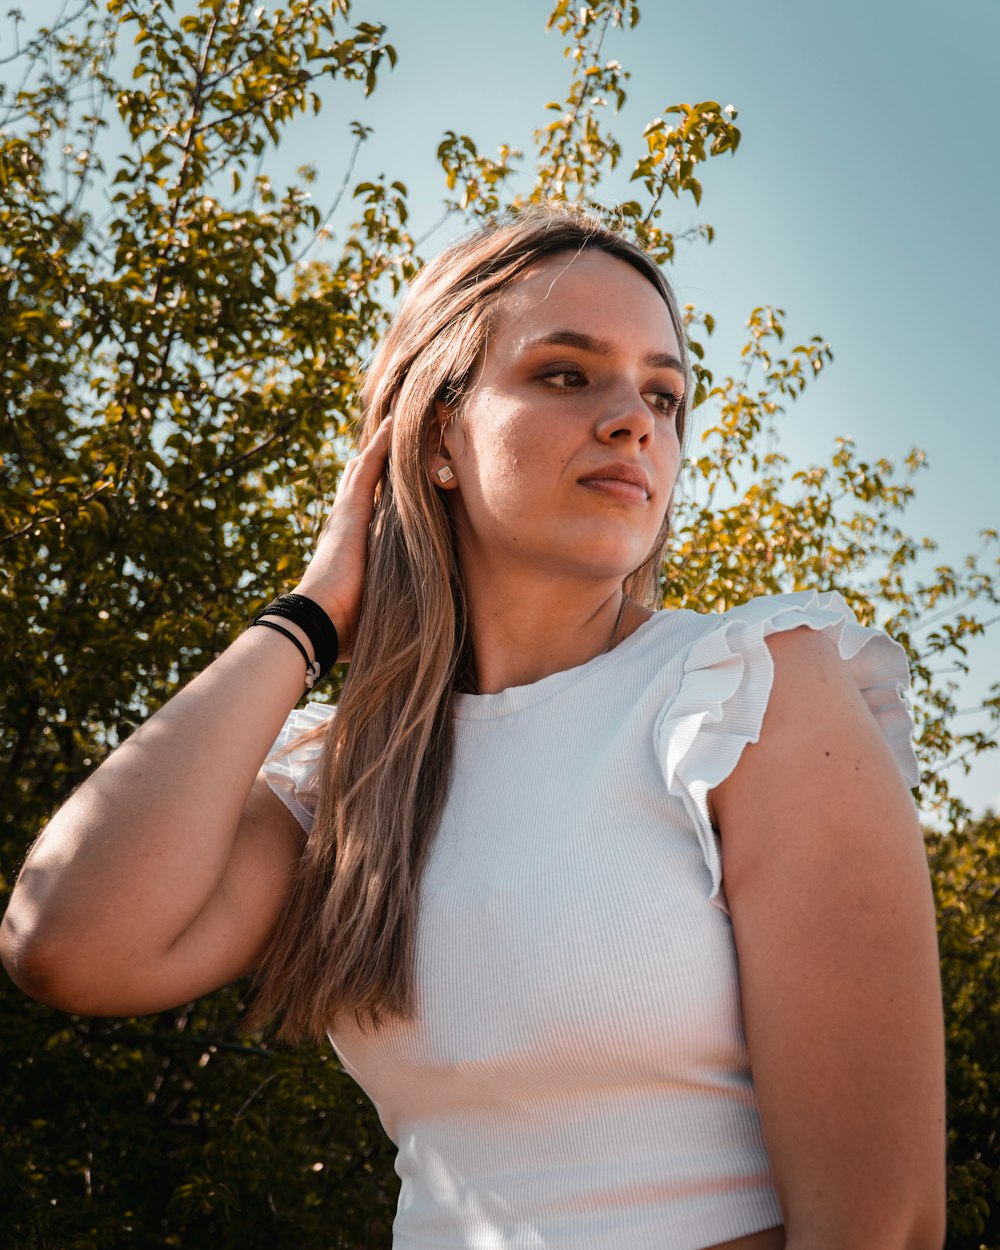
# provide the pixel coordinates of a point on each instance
(336, 574)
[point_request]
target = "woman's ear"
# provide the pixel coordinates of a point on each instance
(443, 449)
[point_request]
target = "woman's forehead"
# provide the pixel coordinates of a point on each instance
(590, 291)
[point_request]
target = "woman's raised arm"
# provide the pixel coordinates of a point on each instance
(162, 876)
(832, 912)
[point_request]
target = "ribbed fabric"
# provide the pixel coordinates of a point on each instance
(577, 1077)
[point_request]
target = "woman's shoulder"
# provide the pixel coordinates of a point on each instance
(746, 625)
(718, 706)
(728, 664)
(820, 606)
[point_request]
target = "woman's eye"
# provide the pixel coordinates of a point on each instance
(668, 402)
(565, 379)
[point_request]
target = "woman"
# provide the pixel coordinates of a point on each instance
(621, 916)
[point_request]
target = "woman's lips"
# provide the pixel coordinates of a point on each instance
(627, 492)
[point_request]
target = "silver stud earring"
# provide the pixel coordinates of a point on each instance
(444, 474)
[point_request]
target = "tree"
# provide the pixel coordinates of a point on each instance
(965, 869)
(179, 342)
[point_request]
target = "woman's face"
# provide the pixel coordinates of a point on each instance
(566, 451)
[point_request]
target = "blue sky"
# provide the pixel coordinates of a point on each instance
(864, 200)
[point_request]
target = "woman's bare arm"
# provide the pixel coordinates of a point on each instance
(828, 888)
(162, 876)
(142, 851)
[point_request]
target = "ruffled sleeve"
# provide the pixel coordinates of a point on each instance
(291, 774)
(719, 706)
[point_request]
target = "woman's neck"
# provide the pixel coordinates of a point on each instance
(522, 633)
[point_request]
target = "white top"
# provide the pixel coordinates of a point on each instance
(577, 1077)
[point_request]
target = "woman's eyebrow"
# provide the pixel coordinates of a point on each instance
(601, 347)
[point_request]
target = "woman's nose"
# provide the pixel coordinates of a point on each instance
(625, 417)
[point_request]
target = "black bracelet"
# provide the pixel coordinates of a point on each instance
(312, 668)
(313, 622)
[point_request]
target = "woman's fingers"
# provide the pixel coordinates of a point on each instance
(368, 465)
(335, 576)
(374, 456)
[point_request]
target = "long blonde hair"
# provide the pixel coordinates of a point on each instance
(346, 940)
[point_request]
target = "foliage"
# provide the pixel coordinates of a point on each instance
(171, 1131)
(179, 344)
(965, 868)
